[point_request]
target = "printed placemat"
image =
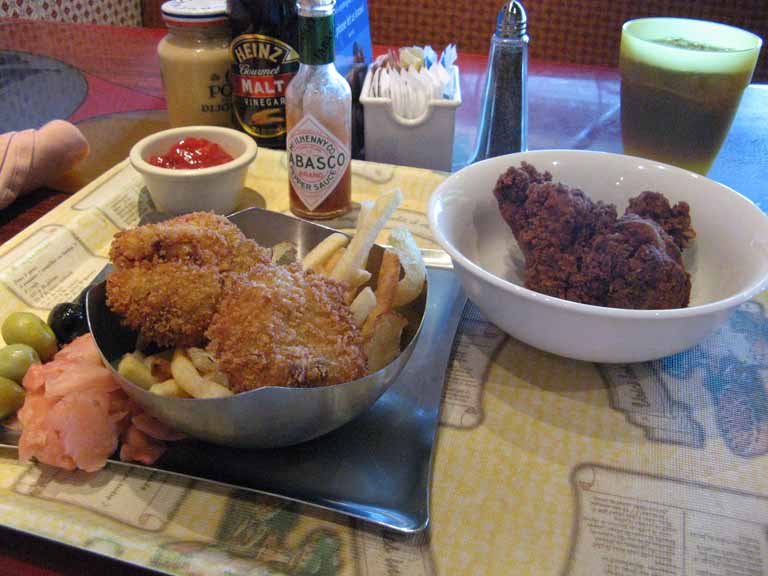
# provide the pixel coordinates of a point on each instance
(543, 465)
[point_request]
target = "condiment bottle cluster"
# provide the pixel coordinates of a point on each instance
(266, 66)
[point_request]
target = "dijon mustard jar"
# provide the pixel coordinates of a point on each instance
(194, 62)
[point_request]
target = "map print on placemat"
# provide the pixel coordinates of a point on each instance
(667, 397)
(510, 490)
(263, 535)
(641, 393)
(629, 523)
(181, 526)
(476, 343)
(258, 534)
(143, 498)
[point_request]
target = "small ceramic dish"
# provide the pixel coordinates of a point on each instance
(179, 191)
(728, 260)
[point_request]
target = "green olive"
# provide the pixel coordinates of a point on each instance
(11, 397)
(15, 360)
(27, 328)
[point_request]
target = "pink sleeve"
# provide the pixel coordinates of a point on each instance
(30, 158)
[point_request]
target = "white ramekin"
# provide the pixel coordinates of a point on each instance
(210, 189)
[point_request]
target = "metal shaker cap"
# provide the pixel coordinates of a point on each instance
(512, 21)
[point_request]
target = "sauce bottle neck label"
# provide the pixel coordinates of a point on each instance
(316, 39)
(317, 160)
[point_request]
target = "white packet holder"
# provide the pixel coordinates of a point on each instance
(423, 142)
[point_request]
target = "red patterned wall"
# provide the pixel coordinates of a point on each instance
(580, 31)
(115, 12)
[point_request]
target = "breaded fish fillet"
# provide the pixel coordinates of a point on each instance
(200, 238)
(168, 276)
(169, 303)
(283, 326)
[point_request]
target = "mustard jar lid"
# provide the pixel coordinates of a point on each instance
(194, 12)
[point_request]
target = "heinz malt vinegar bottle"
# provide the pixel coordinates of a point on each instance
(318, 104)
(264, 59)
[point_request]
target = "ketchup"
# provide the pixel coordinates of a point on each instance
(191, 153)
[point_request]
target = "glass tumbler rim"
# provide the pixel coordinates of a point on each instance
(756, 41)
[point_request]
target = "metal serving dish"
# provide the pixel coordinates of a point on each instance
(267, 417)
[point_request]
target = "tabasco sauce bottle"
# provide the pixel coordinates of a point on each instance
(318, 105)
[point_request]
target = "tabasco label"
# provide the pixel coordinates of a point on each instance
(262, 67)
(317, 161)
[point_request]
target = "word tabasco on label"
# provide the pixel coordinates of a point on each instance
(317, 161)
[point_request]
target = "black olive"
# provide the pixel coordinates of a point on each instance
(67, 320)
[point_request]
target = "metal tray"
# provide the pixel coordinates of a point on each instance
(377, 467)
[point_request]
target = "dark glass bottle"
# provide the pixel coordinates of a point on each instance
(264, 60)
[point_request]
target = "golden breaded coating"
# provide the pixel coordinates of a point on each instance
(283, 326)
(245, 256)
(200, 238)
(211, 221)
(168, 276)
(169, 303)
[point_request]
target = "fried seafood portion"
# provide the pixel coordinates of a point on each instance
(169, 276)
(633, 264)
(284, 326)
(200, 238)
(170, 303)
(555, 226)
(675, 220)
(580, 250)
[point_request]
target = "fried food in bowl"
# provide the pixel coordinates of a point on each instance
(285, 357)
(727, 260)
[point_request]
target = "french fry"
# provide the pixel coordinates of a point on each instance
(360, 277)
(365, 209)
(159, 365)
(363, 305)
(188, 378)
(326, 268)
(389, 274)
(219, 377)
(384, 344)
(409, 288)
(202, 360)
(357, 252)
(321, 253)
(132, 367)
(169, 389)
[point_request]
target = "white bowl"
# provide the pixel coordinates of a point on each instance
(728, 261)
(180, 191)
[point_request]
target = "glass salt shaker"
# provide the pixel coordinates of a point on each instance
(504, 119)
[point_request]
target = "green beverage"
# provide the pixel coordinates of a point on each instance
(681, 84)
